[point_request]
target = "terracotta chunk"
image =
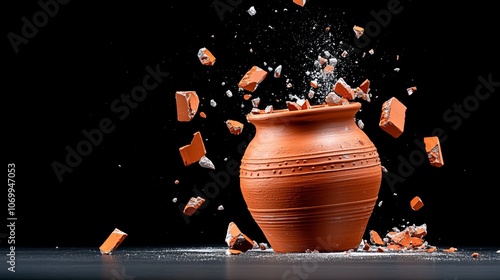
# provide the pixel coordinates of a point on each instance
(392, 119)
(293, 106)
(433, 149)
(343, 89)
(112, 242)
(375, 238)
(193, 204)
(206, 57)
(187, 105)
(235, 127)
(236, 240)
(358, 31)
(252, 78)
(416, 203)
(193, 152)
(300, 2)
(365, 86)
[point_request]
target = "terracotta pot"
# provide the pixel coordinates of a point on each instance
(310, 178)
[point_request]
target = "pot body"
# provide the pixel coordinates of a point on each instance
(310, 178)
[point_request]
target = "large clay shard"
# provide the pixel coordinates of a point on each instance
(252, 78)
(236, 240)
(187, 105)
(193, 152)
(112, 242)
(392, 118)
(433, 149)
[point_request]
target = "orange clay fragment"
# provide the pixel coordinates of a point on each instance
(193, 204)
(193, 152)
(416, 203)
(206, 57)
(187, 105)
(392, 118)
(343, 89)
(293, 106)
(252, 78)
(365, 86)
(328, 69)
(235, 127)
(375, 238)
(300, 2)
(236, 240)
(112, 242)
(433, 149)
(450, 250)
(358, 31)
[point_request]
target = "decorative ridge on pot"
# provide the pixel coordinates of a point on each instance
(310, 178)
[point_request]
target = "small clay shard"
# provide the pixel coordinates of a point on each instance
(193, 205)
(277, 71)
(300, 2)
(187, 103)
(236, 240)
(193, 152)
(206, 57)
(358, 31)
(252, 78)
(235, 127)
(416, 203)
(392, 118)
(343, 89)
(433, 149)
(112, 242)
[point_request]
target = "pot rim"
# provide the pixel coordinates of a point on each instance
(313, 110)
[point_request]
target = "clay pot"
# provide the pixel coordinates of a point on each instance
(310, 178)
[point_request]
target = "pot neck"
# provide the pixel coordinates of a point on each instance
(315, 115)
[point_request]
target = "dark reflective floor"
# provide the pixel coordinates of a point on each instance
(212, 262)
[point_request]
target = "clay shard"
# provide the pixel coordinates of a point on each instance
(187, 103)
(112, 242)
(358, 31)
(416, 203)
(193, 152)
(375, 238)
(193, 205)
(343, 89)
(235, 127)
(236, 240)
(392, 118)
(277, 71)
(252, 78)
(300, 2)
(433, 149)
(206, 57)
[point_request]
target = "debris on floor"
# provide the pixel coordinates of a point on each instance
(237, 241)
(112, 242)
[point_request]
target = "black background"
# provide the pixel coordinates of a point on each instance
(65, 78)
